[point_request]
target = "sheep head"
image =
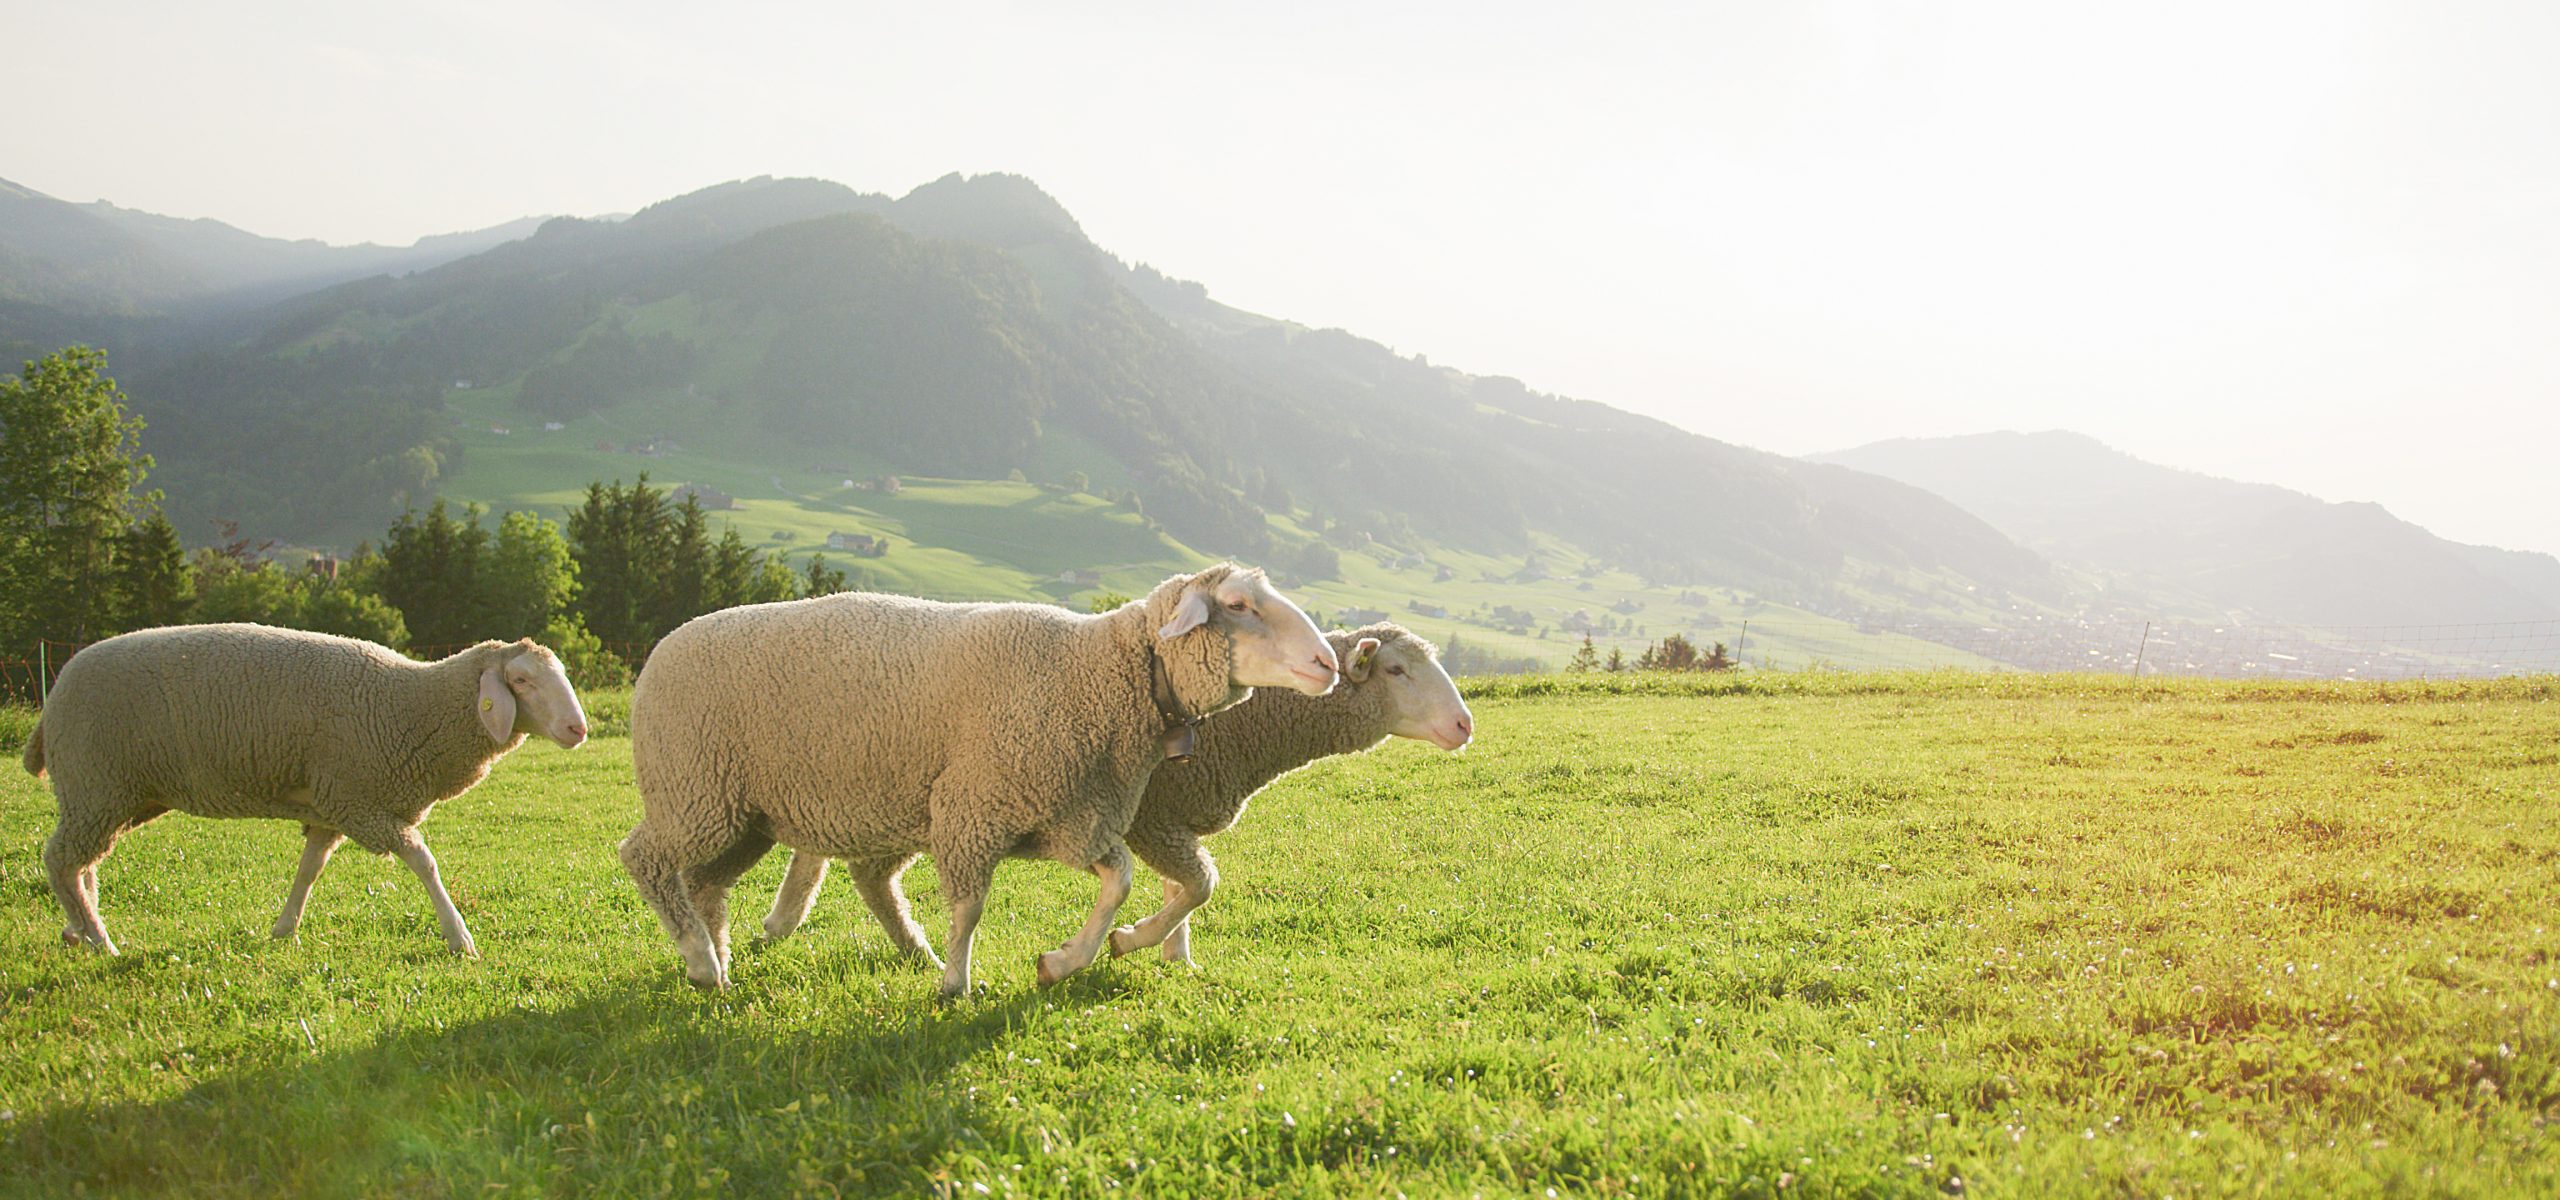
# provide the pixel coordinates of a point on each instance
(524, 690)
(1421, 701)
(1270, 642)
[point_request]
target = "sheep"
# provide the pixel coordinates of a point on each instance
(1392, 686)
(347, 737)
(873, 728)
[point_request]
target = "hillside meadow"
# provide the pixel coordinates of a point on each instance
(995, 539)
(1777, 935)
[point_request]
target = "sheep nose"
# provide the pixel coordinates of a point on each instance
(577, 732)
(1466, 728)
(1325, 663)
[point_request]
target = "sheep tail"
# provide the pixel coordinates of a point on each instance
(33, 756)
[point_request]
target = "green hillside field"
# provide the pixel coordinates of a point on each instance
(998, 540)
(1781, 934)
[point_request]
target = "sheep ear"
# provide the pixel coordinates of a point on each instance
(1191, 614)
(1363, 657)
(497, 707)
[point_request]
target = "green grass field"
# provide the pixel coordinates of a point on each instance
(1812, 934)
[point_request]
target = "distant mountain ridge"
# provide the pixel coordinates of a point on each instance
(969, 328)
(2240, 548)
(100, 258)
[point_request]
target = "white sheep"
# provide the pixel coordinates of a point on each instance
(875, 727)
(347, 737)
(1392, 686)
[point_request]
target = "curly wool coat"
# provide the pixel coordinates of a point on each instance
(1238, 754)
(345, 736)
(872, 728)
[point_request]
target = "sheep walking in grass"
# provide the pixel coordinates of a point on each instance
(1392, 686)
(347, 737)
(877, 727)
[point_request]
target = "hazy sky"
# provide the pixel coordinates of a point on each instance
(2315, 245)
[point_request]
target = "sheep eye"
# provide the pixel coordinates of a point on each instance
(1394, 670)
(1236, 606)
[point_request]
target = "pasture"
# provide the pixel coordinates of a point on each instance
(1782, 935)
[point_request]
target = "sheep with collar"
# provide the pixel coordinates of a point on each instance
(874, 728)
(1392, 686)
(347, 737)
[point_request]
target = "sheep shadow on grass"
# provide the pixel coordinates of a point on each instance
(629, 1090)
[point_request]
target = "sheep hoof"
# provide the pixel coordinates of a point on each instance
(774, 931)
(1047, 974)
(1124, 940)
(70, 938)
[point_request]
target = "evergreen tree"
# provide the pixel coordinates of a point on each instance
(680, 593)
(70, 458)
(616, 538)
(431, 567)
(822, 580)
(153, 585)
(732, 574)
(1585, 659)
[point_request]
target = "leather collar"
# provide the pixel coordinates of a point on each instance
(1181, 727)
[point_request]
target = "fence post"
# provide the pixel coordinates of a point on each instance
(41, 673)
(1741, 643)
(2138, 652)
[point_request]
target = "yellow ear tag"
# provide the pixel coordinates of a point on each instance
(486, 704)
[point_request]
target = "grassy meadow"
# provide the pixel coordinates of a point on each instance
(980, 539)
(1780, 935)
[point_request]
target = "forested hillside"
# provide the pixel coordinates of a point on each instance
(970, 330)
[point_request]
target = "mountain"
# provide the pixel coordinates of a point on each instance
(2237, 549)
(969, 329)
(100, 259)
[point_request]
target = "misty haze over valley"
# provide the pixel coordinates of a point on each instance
(779, 340)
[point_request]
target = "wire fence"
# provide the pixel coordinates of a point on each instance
(2128, 646)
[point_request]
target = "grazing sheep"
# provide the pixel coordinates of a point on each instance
(874, 728)
(1392, 686)
(347, 737)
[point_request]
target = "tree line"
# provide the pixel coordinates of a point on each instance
(1673, 653)
(85, 553)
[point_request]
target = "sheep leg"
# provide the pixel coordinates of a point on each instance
(708, 887)
(965, 876)
(71, 858)
(318, 843)
(1190, 877)
(1080, 951)
(657, 869)
(791, 905)
(1177, 940)
(412, 849)
(877, 880)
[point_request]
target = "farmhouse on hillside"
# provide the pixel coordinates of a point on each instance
(861, 545)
